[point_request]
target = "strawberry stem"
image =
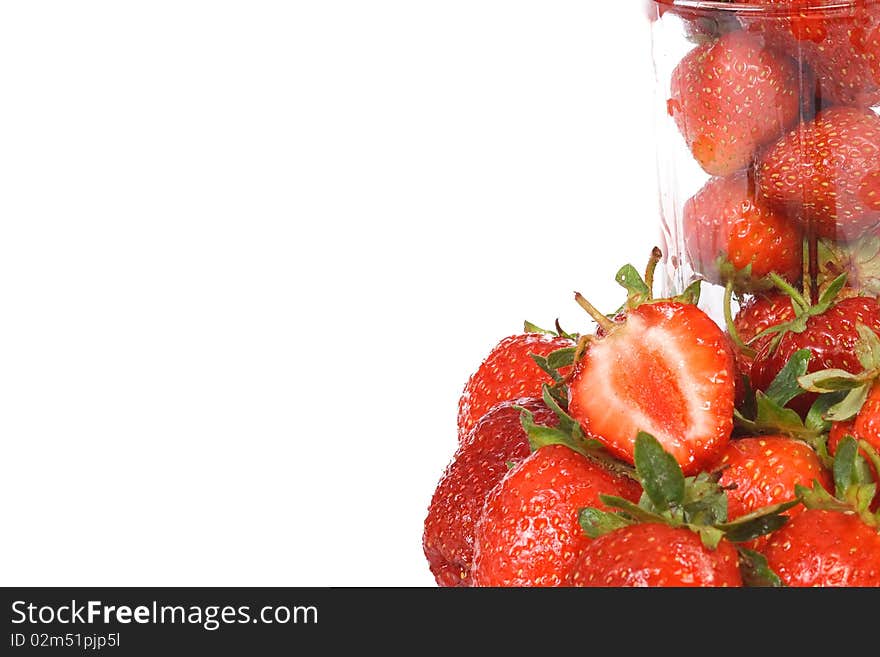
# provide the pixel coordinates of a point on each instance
(786, 287)
(656, 255)
(731, 327)
(582, 344)
(598, 317)
(806, 258)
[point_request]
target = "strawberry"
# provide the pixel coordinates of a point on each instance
(825, 548)
(677, 535)
(755, 316)
(729, 234)
(841, 46)
(667, 369)
(480, 462)
(508, 372)
(836, 541)
(825, 170)
(763, 471)
(730, 97)
(829, 331)
(528, 534)
(654, 554)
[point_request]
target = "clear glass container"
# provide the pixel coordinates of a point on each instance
(768, 141)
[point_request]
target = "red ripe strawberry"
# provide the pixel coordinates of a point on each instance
(825, 548)
(667, 369)
(730, 97)
(826, 170)
(758, 314)
(727, 229)
(529, 534)
(653, 554)
(508, 372)
(478, 465)
(831, 338)
(865, 426)
(841, 46)
(763, 471)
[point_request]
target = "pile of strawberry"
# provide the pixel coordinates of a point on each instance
(775, 105)
(662, 450)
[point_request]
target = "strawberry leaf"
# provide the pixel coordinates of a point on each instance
(829, 295)
(772, 416)
(860, 497)
(710, 536)
(596, 522)
(831, 380)
(815, 420)
(659, 473)
(705, 502)
(819, 498)
(637, 290)
(755, 570)
(568, 433)
(528, 327)
(845, 465)
(867, 348)
(630, 510)
(850, 405)
(872, 456)
(691, 294)
(561, 357)
(757, 523)
(785, 386)
(543, 363)
(567, 423)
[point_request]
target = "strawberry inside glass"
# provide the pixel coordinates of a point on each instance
(769, 143)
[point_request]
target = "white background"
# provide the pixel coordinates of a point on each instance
(251, 251)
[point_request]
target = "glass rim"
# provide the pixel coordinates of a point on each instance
(802, 6)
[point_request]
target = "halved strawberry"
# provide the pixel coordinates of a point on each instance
(666, 369)
(730, 97)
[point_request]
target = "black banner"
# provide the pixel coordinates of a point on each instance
(256, 621)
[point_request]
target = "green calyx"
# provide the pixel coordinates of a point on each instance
(860, 260)
(529, 327)
(640, 290)
(804, 310)
(568, 433)
(854, 485)
(729, 323)
(741, 280)
(765, 412)
(855, 387)
(551, 364)
(697, 503)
